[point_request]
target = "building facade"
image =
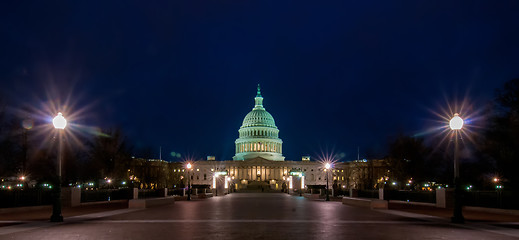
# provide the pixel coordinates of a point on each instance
(259, 162)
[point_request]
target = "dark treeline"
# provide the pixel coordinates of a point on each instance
(492, 154)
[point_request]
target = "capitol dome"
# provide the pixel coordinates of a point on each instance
(259, 135)
(258, 118)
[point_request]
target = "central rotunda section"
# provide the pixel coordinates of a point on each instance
(259, 135)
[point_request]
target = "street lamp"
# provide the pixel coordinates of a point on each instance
(188, 182)
(59, 123)
(327, 168)
(456, 123)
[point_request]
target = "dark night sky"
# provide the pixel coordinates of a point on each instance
(182, 74)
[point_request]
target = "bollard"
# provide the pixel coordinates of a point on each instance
(71, 196)
(444, 198)
(135, 193)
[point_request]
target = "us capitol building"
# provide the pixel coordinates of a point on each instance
(259, 162)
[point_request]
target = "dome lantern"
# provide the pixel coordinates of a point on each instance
(258, 100)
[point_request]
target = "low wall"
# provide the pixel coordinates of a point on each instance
(205, 195)
(492, 210)
(414, 203)
(150, 202)
(365, 202)
(104, 202)
(311, 196)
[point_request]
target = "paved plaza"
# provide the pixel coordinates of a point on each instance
(255, 216)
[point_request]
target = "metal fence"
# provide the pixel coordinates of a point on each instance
(105, 194)
(492, 199)
(411, 196)
(368, 193)
(151, 193)
(25, 197)
(176, 192)
(341, 192)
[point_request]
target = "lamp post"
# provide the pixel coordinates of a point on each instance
(188, 182)
(59, 123)
(327, 168)
(456, 123)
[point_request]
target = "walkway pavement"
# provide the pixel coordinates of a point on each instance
(253, 216)
(44, 214)
(470, 216)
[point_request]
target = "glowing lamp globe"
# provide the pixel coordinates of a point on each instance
(59, 121)
(327, 166)
(189, 166)
(456, 122)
